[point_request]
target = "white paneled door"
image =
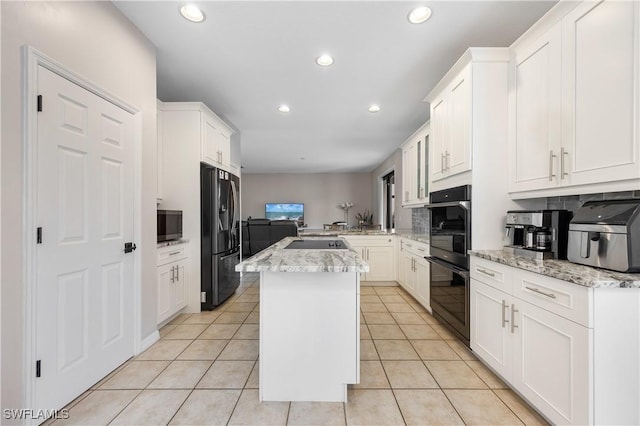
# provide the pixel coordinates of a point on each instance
(84, 209)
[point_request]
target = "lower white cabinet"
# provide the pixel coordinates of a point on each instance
(378, 252)
(542, 335)
(413, 274)
(172, 280)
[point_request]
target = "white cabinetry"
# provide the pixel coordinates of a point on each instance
(415, 175)
(451, 110)
(173, 279)
(574, 108)
(544, 337)
(378, 252)
(207, 131)
(414, 270)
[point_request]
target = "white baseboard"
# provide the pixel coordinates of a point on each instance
(148, 341)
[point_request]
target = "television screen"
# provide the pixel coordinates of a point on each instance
(280, 211)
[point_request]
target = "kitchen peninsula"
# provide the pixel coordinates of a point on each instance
(309, 318)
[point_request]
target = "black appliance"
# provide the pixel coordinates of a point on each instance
(169, 225)
(450, 239)
(220, 239)
(538, 234)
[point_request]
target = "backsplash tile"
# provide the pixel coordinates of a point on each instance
(420, 220)
(574, 202)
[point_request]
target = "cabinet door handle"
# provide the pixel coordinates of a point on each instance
(484, 271)
(447, 154)
(504, 313)
(177, 273)
(173, 253)
(367, 254)
(535, 290)
(563, 152)
(442, 167)
(173, 273)
(551, 157)
(513, 318)
(420, 249)
(421, 192)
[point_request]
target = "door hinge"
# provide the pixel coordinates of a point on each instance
(39, 235)
(38, 368)
(39, 103)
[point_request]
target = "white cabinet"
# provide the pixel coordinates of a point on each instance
(574, 107)
(414, 273)
(159, 154)
(451, 126)
(192, 124)
(557, 343)
(378, 252)
(173, 279)
(216, 144)
(535, 101)
(415, 175)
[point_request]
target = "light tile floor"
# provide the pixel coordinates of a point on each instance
(204, 370)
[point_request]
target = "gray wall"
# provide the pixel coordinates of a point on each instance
(320, 192)
(574, 202)
(403, 216)
(96, 41)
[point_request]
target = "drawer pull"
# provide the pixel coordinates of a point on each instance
(513, 318)
(484, 271)
(504, 313)
(535, 290)
(173, 253)
(420, 249)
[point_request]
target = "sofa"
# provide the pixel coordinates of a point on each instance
(260, 233)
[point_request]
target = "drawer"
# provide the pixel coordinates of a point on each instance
(570, 301)
(491, 273)
(172, 253)
(414, 247)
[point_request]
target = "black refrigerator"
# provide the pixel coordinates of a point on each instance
(220, 239)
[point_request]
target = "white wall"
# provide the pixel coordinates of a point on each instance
(96, 41)
(320, 192)
(394, 161)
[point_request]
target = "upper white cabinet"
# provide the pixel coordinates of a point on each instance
(415, 175)
(216, 143)
(206, 130)
(451, 126)
(535, 108)
(574, 107)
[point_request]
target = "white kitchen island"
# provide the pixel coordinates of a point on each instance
(309, 321)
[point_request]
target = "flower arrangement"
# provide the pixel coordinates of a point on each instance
(346, 206)
(365, 218)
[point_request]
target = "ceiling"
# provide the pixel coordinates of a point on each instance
(247, 58)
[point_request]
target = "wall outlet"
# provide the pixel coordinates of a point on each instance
(203, 297)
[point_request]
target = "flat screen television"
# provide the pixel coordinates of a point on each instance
(285, 211)
(169, 225)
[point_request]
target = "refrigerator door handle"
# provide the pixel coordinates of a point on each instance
(234, 196)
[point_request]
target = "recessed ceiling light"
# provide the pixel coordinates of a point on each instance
(192, 13)
(419, 15)
(374, 108)
(324, 60)
(284, 108)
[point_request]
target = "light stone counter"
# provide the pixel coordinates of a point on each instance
(405, 233)
(563, 270)
(278, 259)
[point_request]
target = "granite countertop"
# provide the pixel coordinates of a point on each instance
(278, 259)
(563, 270)
(406, 233)
(172, 243)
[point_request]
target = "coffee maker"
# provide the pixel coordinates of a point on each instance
(538, 234)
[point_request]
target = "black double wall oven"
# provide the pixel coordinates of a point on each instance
(450, 239)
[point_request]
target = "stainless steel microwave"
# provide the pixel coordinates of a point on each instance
(169, 225)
